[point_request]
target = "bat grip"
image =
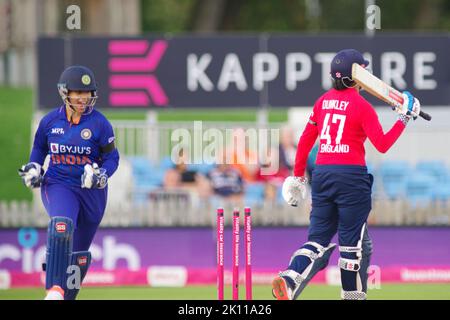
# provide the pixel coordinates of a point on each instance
(424, 115)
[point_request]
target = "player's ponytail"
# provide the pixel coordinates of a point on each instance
(343, 83)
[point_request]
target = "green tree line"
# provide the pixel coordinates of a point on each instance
(291, 15)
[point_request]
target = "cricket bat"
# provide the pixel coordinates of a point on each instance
(380, 89)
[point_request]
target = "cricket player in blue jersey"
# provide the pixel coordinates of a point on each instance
(80, 143)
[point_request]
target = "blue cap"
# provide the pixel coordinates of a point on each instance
(341, 65)
(78, 78)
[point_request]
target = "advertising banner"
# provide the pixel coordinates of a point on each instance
(184, 256)
(257, 71)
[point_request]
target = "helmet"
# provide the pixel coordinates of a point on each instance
(341, 65)
(78, 78)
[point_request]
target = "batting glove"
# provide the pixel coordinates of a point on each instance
(94, 177)
(410, 107)
(294, 190)
(31, 174)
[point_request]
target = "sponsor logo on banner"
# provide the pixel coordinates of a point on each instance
(100, 277)
(138, 59)
(333, 275)
(167, 276)
(425, 275)
(5, 279)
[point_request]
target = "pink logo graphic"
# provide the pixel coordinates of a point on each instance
(134, 73)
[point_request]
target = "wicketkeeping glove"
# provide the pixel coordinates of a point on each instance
(294, 190)
(94, 177)
(31, 174)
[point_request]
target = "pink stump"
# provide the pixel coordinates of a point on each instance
(220, 257)
(235, 280)
(248, 253)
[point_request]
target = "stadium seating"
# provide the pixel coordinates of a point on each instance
(147, 177)
(203, 169)
(435, 169)
(441, 191)
(394, 177)
(254, 194)
(419, 190)
(377, 188)
(420, 184)
(166, 163)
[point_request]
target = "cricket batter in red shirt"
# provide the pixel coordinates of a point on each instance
(341, 187)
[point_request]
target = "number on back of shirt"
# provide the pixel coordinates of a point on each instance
(325, 134)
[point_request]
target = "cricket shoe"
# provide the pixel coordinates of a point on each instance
(281, 289)
(55, 293)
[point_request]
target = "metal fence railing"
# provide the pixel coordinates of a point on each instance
(177, 209)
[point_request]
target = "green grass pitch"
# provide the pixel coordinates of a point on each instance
(312, 292)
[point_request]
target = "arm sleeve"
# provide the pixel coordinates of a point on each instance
(305, 144)
(40, 146)
(109, 154)
(372, 127)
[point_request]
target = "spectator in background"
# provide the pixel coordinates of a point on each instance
(287, 148)
(286, 157)
(273, 181)
(180, 177)
(246, 163)
(226, 183)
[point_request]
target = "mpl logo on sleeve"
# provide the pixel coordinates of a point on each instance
(60, 227)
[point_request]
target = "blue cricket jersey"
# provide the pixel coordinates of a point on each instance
(72, 146)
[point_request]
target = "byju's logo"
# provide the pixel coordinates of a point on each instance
(130, 73)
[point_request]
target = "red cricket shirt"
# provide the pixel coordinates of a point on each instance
(343, 120)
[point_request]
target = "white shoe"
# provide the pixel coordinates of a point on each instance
(55, 293)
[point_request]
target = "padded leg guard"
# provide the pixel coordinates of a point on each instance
(354, 263)
(305, 264)
(59, 249)
(79, 266)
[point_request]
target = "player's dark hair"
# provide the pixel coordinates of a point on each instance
(342, 84)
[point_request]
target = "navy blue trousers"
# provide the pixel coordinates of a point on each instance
(84, 206)
(341, 202)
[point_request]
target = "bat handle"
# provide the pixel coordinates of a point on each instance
(424, 115)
